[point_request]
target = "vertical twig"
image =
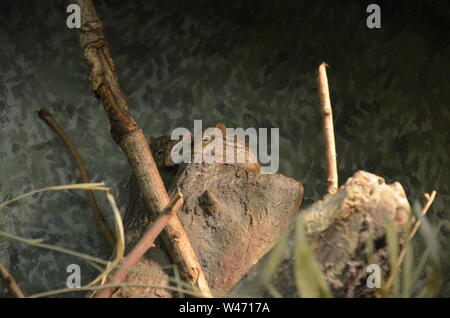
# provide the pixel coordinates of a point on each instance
(130, 138)
(328, 129)
(10, 283)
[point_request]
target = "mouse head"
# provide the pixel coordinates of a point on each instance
(161, 149)
(209, 135)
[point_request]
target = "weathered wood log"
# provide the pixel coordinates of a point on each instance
(337, 228)
(232, 216)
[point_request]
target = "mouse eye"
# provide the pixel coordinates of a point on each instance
(206, 138)
(159, 153)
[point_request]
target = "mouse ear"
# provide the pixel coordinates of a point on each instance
(152, 140)
(222, 128)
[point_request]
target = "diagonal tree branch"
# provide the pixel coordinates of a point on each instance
(10, 283)
(147, 241)
(131, 139)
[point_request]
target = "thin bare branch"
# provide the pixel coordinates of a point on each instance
(425, 209)
(328, 129)
(103, 227)
(146, 242)
(77, 186)
(409, 237)
(10, 283)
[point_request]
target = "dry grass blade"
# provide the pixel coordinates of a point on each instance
(119, 231)
(79, 186)
(120, 243)
(54, 248)
(410, 236)
(94, 288)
